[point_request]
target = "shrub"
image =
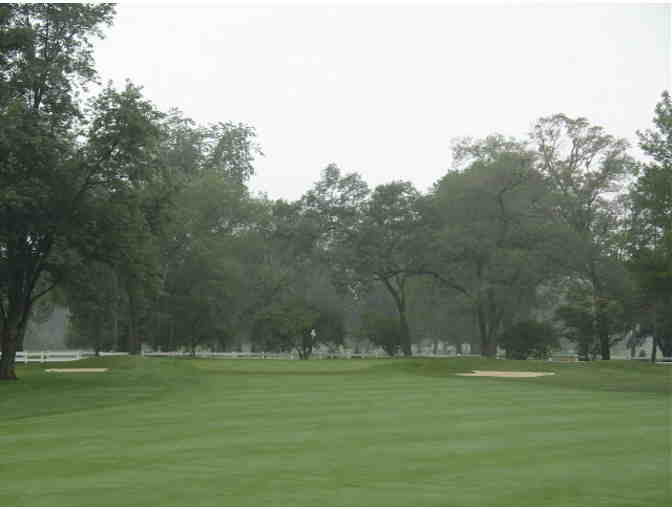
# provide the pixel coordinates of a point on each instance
(383, 332)
(529, 339)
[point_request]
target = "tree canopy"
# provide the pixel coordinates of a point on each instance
(144, 223)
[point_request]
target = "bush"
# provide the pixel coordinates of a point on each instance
(383, 332)
(529, 339)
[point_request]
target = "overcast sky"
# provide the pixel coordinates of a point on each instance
(382, 90)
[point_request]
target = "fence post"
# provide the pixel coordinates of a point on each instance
(42, 357)
(25, 357)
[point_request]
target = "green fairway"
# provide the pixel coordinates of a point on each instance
(336, 433)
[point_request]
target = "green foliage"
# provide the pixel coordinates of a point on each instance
(441, 314)
(173, 243)
(62, 166)
(291, 286)
(287, 326)
(492, 233)
(527, 339)
(383, 331)
(584, 167)
(578, 317)
(650, 228)
(144, 221)
(330, 328)
(93, 302)
(382, 246)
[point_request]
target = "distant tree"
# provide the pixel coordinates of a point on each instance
(527, 339)
(577, 315)
(380, 245)
(441, 314)
(92, 300)
(384, 331)
(585, 167)
(492, 234)
(334, 208)
(330, 329)
(578, 326)
(288, 325)
(178, 292)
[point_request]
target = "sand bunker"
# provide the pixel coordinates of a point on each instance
(76, 369)
(492, 373)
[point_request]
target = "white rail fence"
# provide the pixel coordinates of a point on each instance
(287, 355)
(224, 355)
(58, 356)
(26, 357)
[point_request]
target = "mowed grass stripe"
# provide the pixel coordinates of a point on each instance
(376, 434)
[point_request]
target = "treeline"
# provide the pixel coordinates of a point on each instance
(142, 223)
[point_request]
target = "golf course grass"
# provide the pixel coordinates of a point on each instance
(168, 432)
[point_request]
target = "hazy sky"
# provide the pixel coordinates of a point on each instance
(382, 90)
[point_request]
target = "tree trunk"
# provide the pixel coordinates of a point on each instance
(603, 333)
(99, 333)
(399, 296)
(115, 312)
(599, 309)
(584, 343)
(171, 335)
(10, 337)
(488, 347)
(661, 334)
(21, 336)
(405, 332)
(305, 347)
(133, 343)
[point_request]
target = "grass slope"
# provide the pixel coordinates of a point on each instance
(336, 433)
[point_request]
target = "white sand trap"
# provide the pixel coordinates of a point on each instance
(76, 369)
(494, 373)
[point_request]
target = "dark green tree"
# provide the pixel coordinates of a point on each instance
(92, 301)
(375, 239)
(493, 235)
(585, 167)
(650, 228)
(383, 331)
(60, 164)
(527, 339)
(304, 308)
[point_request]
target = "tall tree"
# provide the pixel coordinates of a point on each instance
(492, 232)
(59, 164)
(585, 167)
(305, 309)
(381, 245)
(650, 232)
